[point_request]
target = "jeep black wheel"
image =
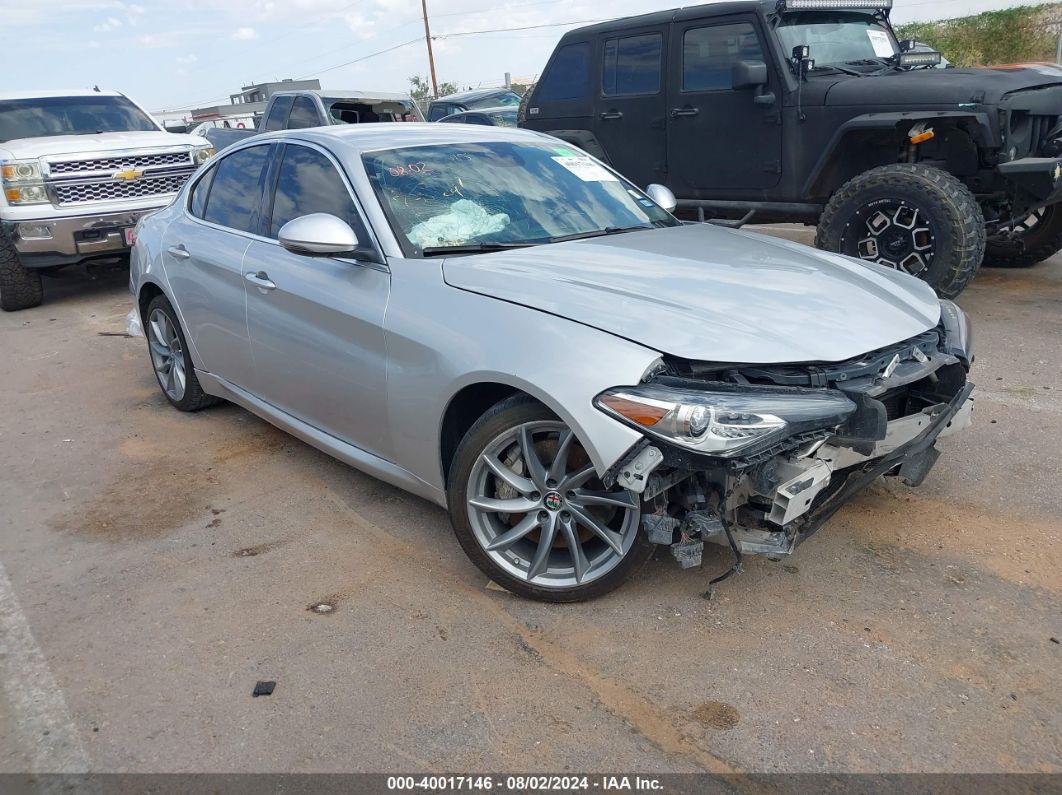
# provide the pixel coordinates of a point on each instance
(20, 287)
(1026, 243)
(909, 217)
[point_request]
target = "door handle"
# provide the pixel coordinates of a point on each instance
(179, 251)
(612, 114)
(687, 111)
(260, 280)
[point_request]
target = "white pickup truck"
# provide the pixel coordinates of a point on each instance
(78, 169)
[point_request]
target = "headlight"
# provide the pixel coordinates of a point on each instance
(27, 194)
(724, 419)
(201, 154)
(958, 332)
(15, 171)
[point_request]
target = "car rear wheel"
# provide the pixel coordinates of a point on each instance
(529, 510)
(170, 358)
(909, 217)
(1026, 243)
(20, 287)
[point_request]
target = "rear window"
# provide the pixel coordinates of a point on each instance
(631, 65)
(233, 200)
(568, 75)
(362, 111)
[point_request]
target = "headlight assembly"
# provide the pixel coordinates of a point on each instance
(724, 419)
(22, 182)
(201, 154)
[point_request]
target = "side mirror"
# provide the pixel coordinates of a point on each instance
(318, 233)
(749, 74)
(662, 196)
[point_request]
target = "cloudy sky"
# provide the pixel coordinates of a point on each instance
(189, 53)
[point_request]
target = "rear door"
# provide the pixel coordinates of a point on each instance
(631, 103)
(317, 332)
(721, 142)
(203, 252)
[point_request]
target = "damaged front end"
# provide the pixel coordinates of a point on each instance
(758, 457)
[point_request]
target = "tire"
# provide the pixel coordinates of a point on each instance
(20, 287)
(925, 219)
(1035, 239)
(557, 500)
(170, 359)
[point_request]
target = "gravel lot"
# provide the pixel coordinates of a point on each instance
(159, 564)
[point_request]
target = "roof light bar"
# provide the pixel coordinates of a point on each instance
(799, 5)
(919, 59)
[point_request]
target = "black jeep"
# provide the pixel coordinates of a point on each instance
(812, 111)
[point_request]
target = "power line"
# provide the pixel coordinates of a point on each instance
(524, 27)
(362, 58)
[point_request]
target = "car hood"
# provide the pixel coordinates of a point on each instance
(707, 293)
(49, 146)
(935, 86)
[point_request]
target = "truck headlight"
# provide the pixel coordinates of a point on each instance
(724, 419)
(201, 154)
(26, 194)
(16, 171)
(958, 332)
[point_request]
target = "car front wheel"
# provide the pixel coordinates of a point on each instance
(528, 508)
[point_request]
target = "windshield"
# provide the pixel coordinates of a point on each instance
(837, 37)
(503, 118)
(493, 101)
(47, 116)
(502, 194)
(360, 111)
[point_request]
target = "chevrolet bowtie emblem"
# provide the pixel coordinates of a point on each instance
(128, 174)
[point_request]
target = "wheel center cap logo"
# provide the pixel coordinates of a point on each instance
(553, 501)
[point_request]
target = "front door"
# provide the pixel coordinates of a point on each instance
(721, 141)
(631, 104)
(203, 251)
(316, 322)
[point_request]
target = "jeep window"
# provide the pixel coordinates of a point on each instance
(278, 114)
(567, 76)
(303, 114)
(838, 37)
(631, 65)
(708, 55)
(47, 116)
(502, 194)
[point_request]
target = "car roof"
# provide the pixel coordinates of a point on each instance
(73, 92)
(353, 139)
(670, 15)
(344, 94)
(471, 96)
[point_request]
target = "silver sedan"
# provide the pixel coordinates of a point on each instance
(499, 323)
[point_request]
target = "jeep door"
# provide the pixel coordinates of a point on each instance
(721, 141)
(316, 322)
(631, 103)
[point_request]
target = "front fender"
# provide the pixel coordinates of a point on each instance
(441, 339)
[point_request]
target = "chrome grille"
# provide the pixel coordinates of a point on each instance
(116, 163)
(81, 192)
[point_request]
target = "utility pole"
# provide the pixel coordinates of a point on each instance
(431, 57)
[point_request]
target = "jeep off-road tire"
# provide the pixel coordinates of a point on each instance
(20, 287)
(922, 217)
(1027, 245)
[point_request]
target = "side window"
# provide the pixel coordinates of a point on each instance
(303, 114)
(278, 114)
(632, 65)
(438, 111)
(233, 197)
(709, 54)
(309, 183)
(568, 75)
(197, 201)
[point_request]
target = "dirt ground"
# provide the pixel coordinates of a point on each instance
(158, 564)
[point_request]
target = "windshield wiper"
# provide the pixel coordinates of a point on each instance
(608, 230)
(837, 68)
(470, 248)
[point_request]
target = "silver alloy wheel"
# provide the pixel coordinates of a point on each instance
(551, 523)
(167, 355)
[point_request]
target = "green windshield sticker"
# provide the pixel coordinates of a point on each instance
(560, 150)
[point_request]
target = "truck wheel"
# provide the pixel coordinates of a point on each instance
(1033, 240)
(20, 287)
(910, 217)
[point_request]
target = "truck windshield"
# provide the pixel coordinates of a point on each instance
(838, 37)
(48, 116)
(466, 197)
